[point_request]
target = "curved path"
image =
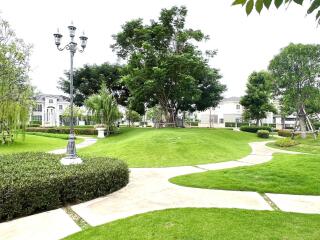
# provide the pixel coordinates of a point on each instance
(149, 190)
(88, 141)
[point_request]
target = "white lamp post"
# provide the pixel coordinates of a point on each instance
(71, 157)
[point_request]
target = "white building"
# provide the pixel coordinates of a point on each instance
(230, 110)
(48, 109)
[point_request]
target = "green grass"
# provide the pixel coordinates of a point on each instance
(207, 224)
(149, 147)
(308, 145)
(292, 174)
(53, 135)
(33, 143)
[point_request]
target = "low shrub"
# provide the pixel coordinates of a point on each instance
(286, 133)
(35, 182)
(286, 142)
(263, 133)
(52, 135)
(78, 131)
(34, 125)
(254, 129)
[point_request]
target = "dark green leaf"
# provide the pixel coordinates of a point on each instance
(318, 15)
(300, 2)
(249, 6)
(278, 3)
(267, 3)
(237, 2)
(259, 5)
(315, 4)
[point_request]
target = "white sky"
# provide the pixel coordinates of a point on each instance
(244, 43)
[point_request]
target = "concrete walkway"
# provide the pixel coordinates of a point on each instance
(149, 190)
(88, 141)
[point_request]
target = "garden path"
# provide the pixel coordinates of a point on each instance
(88, 141)
(149, 190)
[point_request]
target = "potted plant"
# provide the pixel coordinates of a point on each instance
(101, 128)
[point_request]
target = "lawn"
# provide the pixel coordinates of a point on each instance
(149, 147)
(292, 174)
(208, 224)
(308, 145)
(33, 143)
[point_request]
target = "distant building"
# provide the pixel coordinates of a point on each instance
(48, 109)
(230, 110)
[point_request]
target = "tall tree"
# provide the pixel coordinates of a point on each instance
(257, 100)
(88, 79)
(165, 67)
(296, 72)
(15, 89)
(260, 4)
(104, 107)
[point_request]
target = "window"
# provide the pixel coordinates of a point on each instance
(221, 120)
(50, 100)
(60, 107)
(238, 106)
(36, 118)
(37, 108)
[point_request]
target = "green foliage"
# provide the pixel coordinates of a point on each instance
(296, 83)
(165, 67)
(284, 133)
(256, 101)
(104, 107)
(36, 182)
(77, 112)
(52, 135)
(88, 80)
(15, 89)
(286, 142)
(263, 133)
(133, 116)
(78, 131)
(254, 129)
(259, 4)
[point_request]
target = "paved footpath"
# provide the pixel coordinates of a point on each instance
(86, 143)
(149, 190)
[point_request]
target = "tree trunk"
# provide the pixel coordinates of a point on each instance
(302, 123)
(258, 122)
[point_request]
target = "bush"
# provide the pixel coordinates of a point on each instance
(254, 129)
(35, 182)
(286, 133)
(34, 125)
(286, 142)
(78, 131)
(263, 133)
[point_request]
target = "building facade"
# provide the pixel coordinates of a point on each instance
(48, 109)
(230, 110)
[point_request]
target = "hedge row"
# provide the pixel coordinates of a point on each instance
(254, 129)
(36, 182)
(286, 133)
(78, 131)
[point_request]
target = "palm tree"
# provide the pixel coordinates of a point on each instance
(103, 107)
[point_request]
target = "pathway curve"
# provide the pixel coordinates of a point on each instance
(88, 141)
(149, 190)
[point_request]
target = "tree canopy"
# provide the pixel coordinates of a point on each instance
(15, 89)
(260, 4)
(257, 100)
(165, 67)
(296, 72)
(88, 79)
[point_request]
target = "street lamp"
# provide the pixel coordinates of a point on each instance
(71, 157)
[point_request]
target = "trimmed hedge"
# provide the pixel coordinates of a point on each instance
(263, 134)
(78, 131)
(254, 129)
(286, 142)
(286, 133)
(36, 182)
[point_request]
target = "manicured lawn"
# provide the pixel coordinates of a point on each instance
(33, 143)
(148, 147)
(292, 174)
(308, 145)
(208, 224)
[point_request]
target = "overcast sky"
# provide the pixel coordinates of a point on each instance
(244, 44)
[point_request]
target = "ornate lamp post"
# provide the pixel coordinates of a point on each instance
(71, 157)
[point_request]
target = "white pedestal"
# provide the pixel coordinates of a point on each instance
(70, 161)
(101, 132)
